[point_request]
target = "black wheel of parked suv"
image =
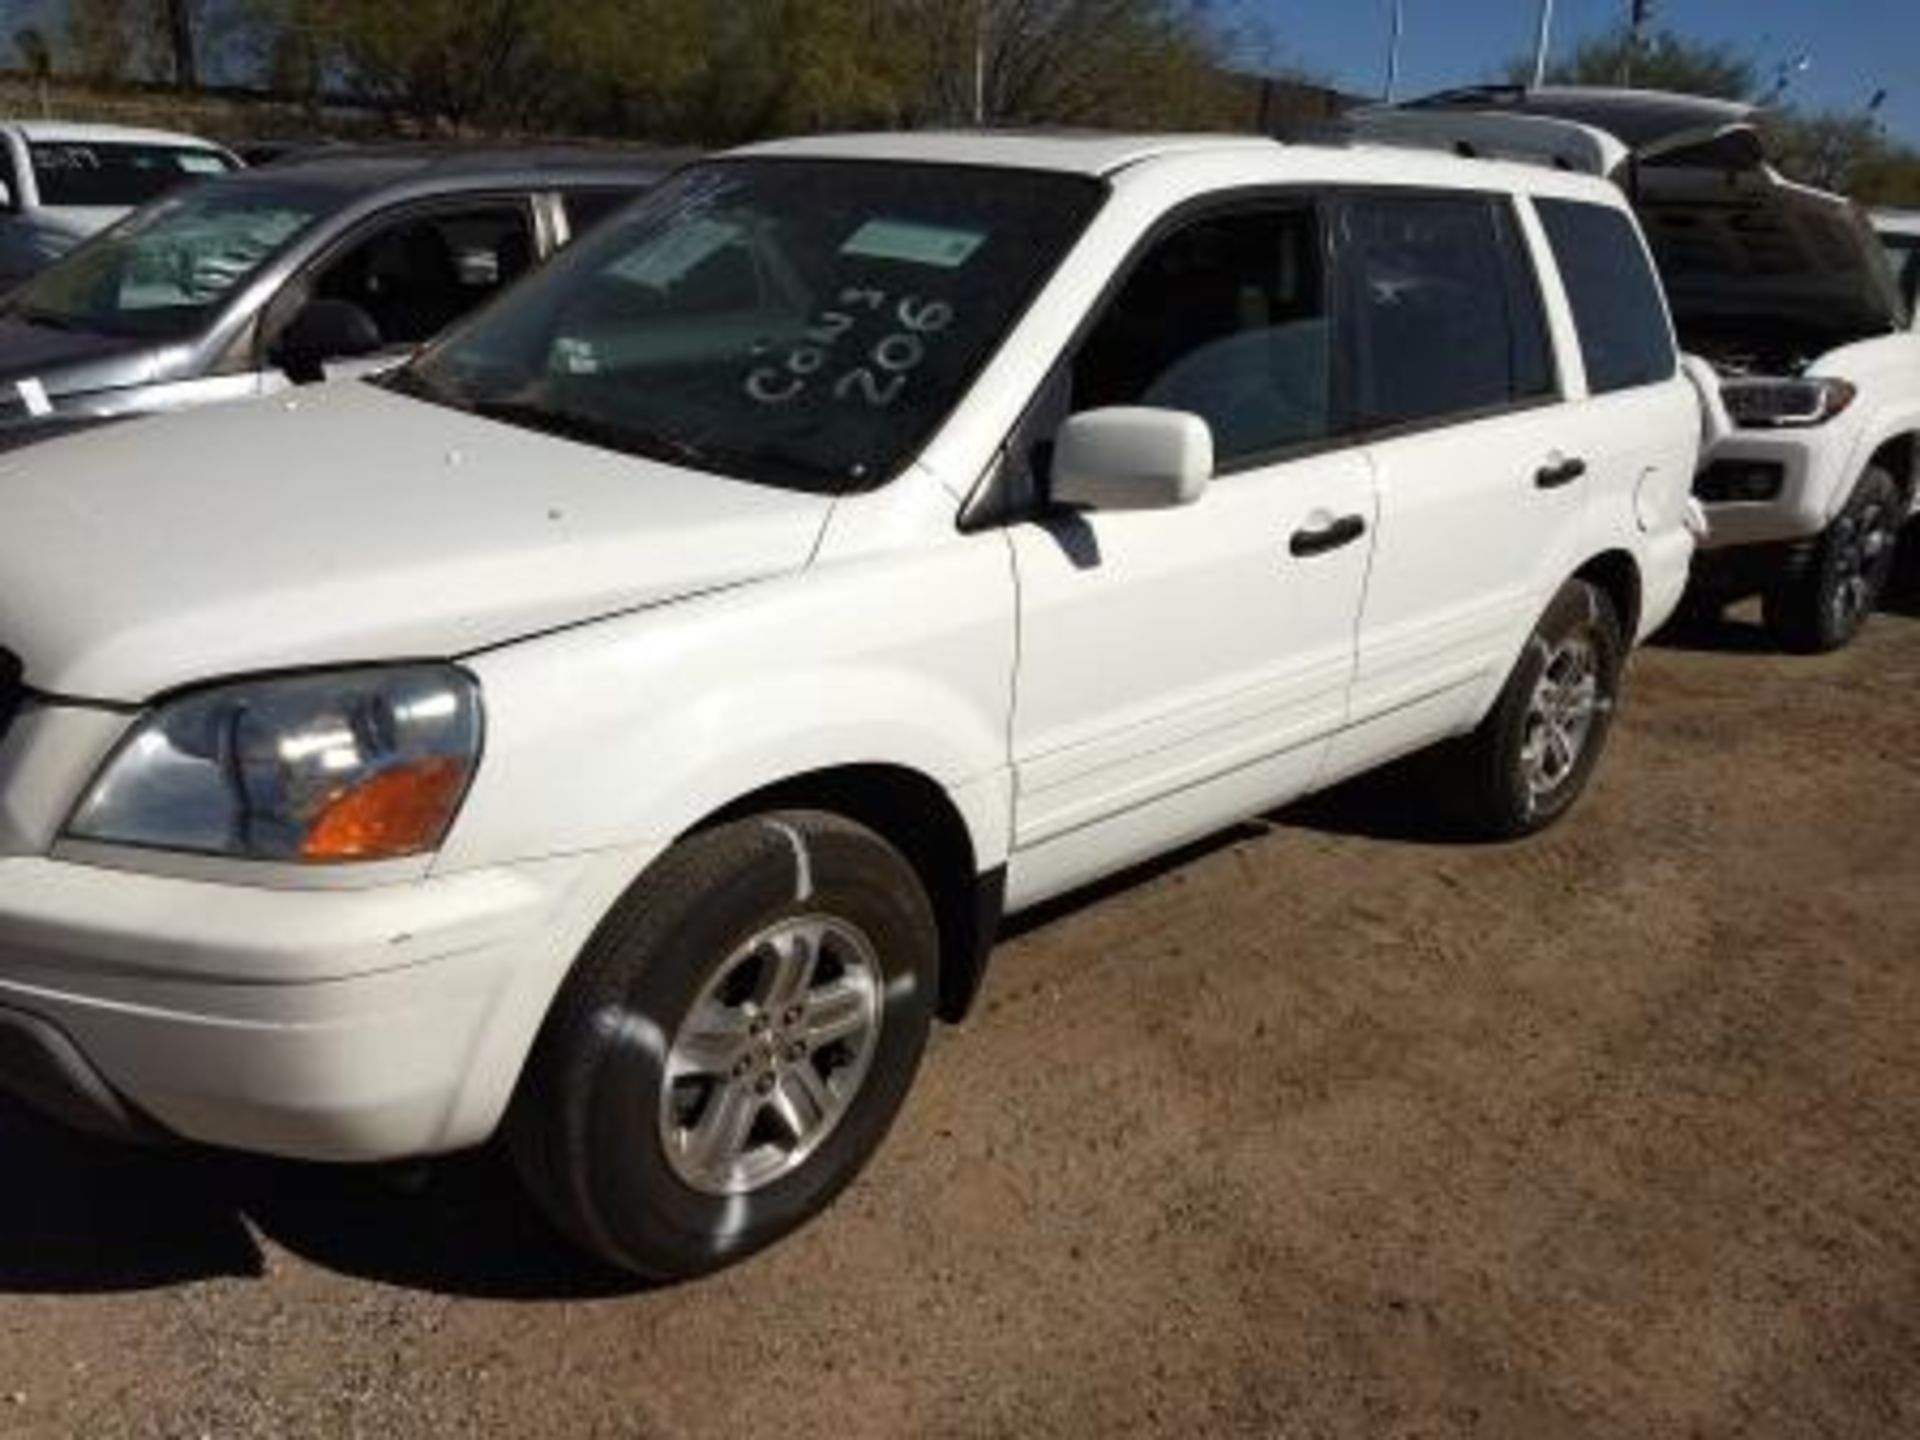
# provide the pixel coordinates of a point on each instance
(732, 1046)
(1837, 584)
(1532, 755)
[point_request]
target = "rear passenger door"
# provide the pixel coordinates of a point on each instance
(1452, 382)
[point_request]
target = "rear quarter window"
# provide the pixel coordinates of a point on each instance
(1625, 337)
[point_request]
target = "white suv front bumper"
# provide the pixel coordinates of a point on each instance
(343, 1025)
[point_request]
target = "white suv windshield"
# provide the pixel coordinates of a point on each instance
(116, 175)
(797, 322)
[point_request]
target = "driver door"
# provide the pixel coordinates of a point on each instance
(1182, 668)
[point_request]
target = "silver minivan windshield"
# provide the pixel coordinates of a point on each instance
(161, 272)
(796, 322)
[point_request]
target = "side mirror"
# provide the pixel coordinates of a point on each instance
(323, 330)
(1130, 457)
(6, 196)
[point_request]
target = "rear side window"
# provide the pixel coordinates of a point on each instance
(587, 208)
(1625, 338)
(1446, 314)
(1225, 318)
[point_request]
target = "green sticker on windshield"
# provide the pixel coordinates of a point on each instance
(914, 244)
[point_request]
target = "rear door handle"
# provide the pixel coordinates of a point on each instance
(1331, 536)
(1558, 473)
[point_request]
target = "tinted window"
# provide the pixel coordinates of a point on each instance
(1903, 253)
(1624, 335)
(1446, 313)
(587, 208)
(1227, 319)
(116, 175)
(798, 322)
(417, 277)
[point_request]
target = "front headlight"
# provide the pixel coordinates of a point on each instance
(1758, 403)
(349, 765)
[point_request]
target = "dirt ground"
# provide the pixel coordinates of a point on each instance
(1334, 1127)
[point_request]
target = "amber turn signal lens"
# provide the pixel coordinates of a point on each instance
(402, 811)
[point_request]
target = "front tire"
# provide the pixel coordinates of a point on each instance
(1533, 754)
(1822, 606)
(733, 1045)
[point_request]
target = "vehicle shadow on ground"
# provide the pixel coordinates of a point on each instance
(1719, 635)
(79, 1216)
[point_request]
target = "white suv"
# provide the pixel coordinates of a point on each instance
(60, 183)
(627, 723)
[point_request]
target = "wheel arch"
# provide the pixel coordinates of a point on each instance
(1899, 456)
(915, 814)
(1617, 575)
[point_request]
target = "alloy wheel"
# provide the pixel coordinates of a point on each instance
(771, 1055)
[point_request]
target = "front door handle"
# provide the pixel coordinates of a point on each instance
(1330, 536)
(1560, 472)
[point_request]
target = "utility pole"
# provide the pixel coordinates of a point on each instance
(979, 62)
(1542, 42)
(1638, 13)
(179, 27)
(1393, 47)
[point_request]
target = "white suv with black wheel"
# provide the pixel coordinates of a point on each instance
(625, 725)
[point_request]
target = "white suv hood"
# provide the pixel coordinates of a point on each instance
(347, 524)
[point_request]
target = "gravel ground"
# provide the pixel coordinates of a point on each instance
(1334, 1126)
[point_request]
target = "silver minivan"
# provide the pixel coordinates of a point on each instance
(337, 261)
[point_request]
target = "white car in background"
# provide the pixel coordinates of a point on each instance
(628, 721)
(1814, 460)
(61, 182)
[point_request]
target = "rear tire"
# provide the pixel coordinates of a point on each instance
(732, 1046)
(1838, 583)
(1533, 754)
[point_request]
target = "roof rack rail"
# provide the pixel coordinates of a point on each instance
(1503, 135)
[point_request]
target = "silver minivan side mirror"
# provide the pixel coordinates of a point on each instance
(1131, 457)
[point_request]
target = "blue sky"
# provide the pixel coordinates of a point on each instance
(1857, 46)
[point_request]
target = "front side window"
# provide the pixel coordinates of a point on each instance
(1446, 314)
(163, 272)
(415, 277)
(797, 322)
(1625, 338)
(116, 175)
(1225, 318)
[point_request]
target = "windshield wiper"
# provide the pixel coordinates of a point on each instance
(605, 433)
(405, 380)
(49, 319)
